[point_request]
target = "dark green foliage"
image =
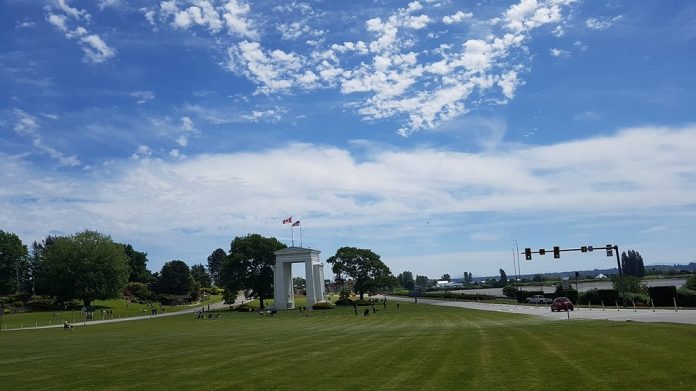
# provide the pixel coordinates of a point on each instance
(323, 306)
(406, 280)
(85, 266)
(690, 283)
(249, 267)
(663, 295)
(138, 290)
(215, 262)
(362, 302)
(174, 279)
(503, 278)
(344, 302)
(137, 263)
(510, 291)
(686, 297)
(422, 281)
(445, 277)
(201, 275)
(598, 296)
(631, 284)
(13, 263)
(632, 264)
(369, 273)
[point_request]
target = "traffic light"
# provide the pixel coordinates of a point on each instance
(556, 252)
(610, 250)
(528, 254)
(590, 248)
(583, 249)
(542, 251)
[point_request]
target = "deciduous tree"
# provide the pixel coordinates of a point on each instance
(86, 266)
(201, 275)
(369, 273)
(13, 262)
(175, 278)
(249, 267)
(215, 262)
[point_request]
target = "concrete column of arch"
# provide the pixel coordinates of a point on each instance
(282, 276)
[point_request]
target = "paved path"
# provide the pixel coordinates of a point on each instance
(610, 313)
(189, 311)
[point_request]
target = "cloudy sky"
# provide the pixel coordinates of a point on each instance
(436, 133)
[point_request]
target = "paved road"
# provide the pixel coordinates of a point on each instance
(610, 313)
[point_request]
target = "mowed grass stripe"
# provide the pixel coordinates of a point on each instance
(415, 347)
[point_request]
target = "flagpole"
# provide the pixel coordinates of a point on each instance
(300, 235)
(292, 235)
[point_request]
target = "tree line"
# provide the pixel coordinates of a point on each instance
(90, 266)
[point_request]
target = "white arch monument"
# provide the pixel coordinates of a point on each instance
(282, 276)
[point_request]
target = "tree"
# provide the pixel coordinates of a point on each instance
(690, 283)
(406, 280)
(632, 264)
(137, 262)
(249, 267)
(422, 281)
(201, 275)
(215, 262)
(299, 283)
(503, 278)
(369, 273)
(466, 278)
(86, 266)
(445, 277)
(13, 263)
(175, 278)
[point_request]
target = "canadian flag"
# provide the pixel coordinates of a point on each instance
(288, 220)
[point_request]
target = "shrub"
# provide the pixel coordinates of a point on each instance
(690, 283)
(348, 302)
(362, 302)
(663, 295)
(686, 297)
(510, 291)
(323, 306)
(599, 296)
(138, 290)
(244, 308)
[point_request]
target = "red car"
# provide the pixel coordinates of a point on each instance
(561, 304)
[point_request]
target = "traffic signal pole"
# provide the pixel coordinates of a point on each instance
(609, 248)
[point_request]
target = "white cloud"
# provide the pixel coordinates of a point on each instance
(95, 49)
(559, 52)
(27, 125)
(640, 169)
(143, 152)
(143, 96)
(270, 115)
(601, 23)
(457, 17)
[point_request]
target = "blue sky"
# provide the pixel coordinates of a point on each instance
(436, 133)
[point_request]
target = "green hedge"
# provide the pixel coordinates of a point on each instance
(686, 298)
(348, 302)
(663, 296)
(599, 296)
(323, 306)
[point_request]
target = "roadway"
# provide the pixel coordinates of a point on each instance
(595, 313)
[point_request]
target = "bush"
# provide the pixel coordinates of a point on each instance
(663, 296)
(686, 297)
(138, 290)
(360, 303)
(510, 291)
(690, 283)
(348, 302)
(323, 306)
(599, 296)
(244, 308)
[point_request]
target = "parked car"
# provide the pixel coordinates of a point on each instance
(538, 299)
(562, 304)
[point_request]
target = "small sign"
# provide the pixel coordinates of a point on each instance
(415, 292)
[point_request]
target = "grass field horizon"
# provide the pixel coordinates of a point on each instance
(415, 347)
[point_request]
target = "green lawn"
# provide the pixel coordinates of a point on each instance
(418, 347)
(119, 309)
